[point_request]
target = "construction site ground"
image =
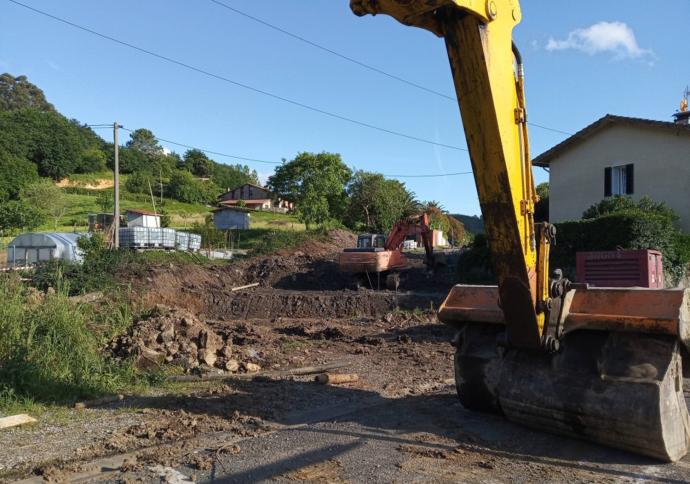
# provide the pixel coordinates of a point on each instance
(401, 421)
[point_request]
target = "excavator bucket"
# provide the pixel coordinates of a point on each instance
(617, 378)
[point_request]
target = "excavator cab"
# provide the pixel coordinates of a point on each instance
(602, 364)
(371, 241)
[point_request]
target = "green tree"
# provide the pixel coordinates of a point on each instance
(143, 140)
(17, 215)
(47, 198)
(316, 184)
(232, 176)
(15, 174)
(376, 203)
(439, 219)
(183, 187)
(18, 92)
(138, 182)
(47, 139)
(541, 209)
(105, 201)
(92, 160)
(198, 163)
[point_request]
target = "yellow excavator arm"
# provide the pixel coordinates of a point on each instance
(488, 76)
(597, 363)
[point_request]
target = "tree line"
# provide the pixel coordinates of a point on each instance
(39, 145)
(325, 190)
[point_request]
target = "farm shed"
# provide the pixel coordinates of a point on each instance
(32, 248)
(227, 218)
(143, 218)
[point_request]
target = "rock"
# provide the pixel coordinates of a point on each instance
(167, 334)
(149, 358)
(207, 356)
(232, 365)
(251, 367)
(209, 341)
(226, 351)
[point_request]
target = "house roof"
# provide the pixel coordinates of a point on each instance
(141, 212)
(222, 207)
(602, 123)
(251, 185)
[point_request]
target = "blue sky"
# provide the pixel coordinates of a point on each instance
(583, 59)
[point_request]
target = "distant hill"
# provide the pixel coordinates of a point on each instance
(472, 223)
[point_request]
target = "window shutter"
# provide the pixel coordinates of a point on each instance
(607, 181)
(629, 179)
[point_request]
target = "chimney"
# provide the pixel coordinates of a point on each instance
(683, 116)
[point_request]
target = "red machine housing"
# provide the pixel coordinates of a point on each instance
(621, 268)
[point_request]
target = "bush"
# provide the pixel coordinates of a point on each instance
(622, 203)
(47, 351)
(276, 240)
(627, 229)
(138, 182)
(16, 215)
(474, 264)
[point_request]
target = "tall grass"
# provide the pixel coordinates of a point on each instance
(48, 354)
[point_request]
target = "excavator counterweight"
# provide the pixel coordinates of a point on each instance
(603, 364)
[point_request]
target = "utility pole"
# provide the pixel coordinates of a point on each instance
(116, 186)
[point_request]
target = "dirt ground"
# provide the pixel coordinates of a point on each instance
(401, 421)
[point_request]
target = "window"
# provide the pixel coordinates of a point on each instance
(619, 180)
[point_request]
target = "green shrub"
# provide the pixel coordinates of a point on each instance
(276, 240)
(47, 352)
(474, 264)
(626, 229)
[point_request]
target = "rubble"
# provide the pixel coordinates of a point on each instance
(174, 336)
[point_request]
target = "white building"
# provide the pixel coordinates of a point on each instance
(142, 218)
(618, 155)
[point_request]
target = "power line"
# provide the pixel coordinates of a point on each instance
(331, 51)
(211, 152)
(246, 158)
(357, 62)
(430, 176)
(239, 84)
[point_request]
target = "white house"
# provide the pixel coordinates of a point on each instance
(617, 155)
(142, 218)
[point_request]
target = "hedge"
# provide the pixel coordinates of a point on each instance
(630, 229)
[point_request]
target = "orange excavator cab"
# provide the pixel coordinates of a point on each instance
(377, 256)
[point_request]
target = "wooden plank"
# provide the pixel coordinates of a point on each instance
(15, 420)
(244, 287)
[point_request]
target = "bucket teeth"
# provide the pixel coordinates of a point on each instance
(623, 390)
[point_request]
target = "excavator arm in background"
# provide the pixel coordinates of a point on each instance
(402, 229)
(596, 363)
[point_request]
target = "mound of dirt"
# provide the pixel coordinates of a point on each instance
(176, 337)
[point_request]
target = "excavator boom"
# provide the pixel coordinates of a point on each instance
(600, 364)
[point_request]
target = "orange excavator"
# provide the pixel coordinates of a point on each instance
(376, 255)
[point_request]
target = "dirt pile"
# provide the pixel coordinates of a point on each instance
(176, 337)
(309, 266)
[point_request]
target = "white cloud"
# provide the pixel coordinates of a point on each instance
(53, 65)
(612, 37)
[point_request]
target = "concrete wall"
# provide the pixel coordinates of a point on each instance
(662, 170)
(231, 219)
